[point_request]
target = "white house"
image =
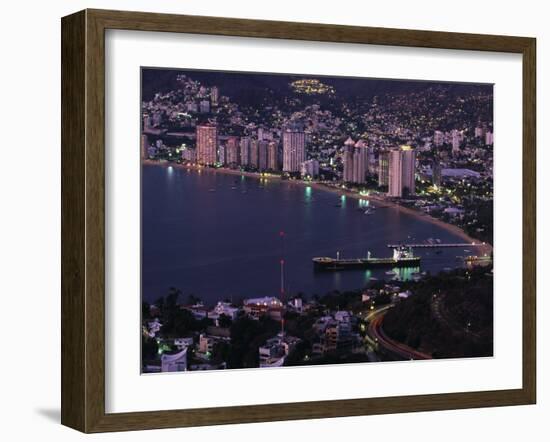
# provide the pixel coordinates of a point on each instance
(153, 327)
(342, 316)
(266, 301)
(199, 311)
(174, 362)
(206, 344)
(181, 343)
(224, 308)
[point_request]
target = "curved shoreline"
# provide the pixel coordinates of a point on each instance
(486, 248)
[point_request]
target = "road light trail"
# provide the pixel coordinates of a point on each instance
(376, 333)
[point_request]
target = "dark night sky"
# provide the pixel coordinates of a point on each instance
(242, 86)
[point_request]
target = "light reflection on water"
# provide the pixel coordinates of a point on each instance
(217, 235)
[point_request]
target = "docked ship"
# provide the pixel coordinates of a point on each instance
(402, 257)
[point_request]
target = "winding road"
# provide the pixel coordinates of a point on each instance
(376, 333)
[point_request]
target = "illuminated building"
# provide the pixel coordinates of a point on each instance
(144, 146)
(436, 172)
(401, 172)
(274, 352)
(439, 138)
(268, 305)
(232, 151)
(189, 155)
(335, 333)
(221, 154)
(207, 142)
(383, 168)
(214, 95)
(371, 160)
(264, 134)
(206, 344)
(348, 160)
(489, 138)
(262, 154)
(360, 162)
(174, 362)
(204, 106)
(146, 122)
(254, 153)
(294, 149)
(223, 308)
(245, 151)
(309, 168)
(456, 139)
(355, 161)
(273, 155)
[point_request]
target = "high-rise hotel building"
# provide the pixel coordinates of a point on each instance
(207, 144)
(402, 166)
(214, 95)
(360, 162)
(294, 148)
(355, 161)
(254, 154)
(263, 147)
(348, 160)
(273, 155)
(245, 151)
(232, 151)
(144, 146)
(383, 168)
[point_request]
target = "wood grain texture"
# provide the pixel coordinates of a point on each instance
(83, 220)
(73, 255)
(529, 221)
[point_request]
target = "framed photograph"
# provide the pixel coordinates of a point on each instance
(266, 221)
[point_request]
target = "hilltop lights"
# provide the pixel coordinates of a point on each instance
(311, 87)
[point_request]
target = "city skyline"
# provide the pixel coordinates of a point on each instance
(302, 220)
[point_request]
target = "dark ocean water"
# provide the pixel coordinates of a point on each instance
(217, 236)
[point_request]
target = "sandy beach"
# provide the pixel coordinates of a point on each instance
(380, 202)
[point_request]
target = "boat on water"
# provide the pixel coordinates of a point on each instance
(402, 257)
(391, 273)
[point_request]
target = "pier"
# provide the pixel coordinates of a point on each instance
(436, 245)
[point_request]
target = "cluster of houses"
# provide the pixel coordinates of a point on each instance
(334, 331)
(272, 353)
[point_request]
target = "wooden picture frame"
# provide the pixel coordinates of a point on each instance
(83, 220)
